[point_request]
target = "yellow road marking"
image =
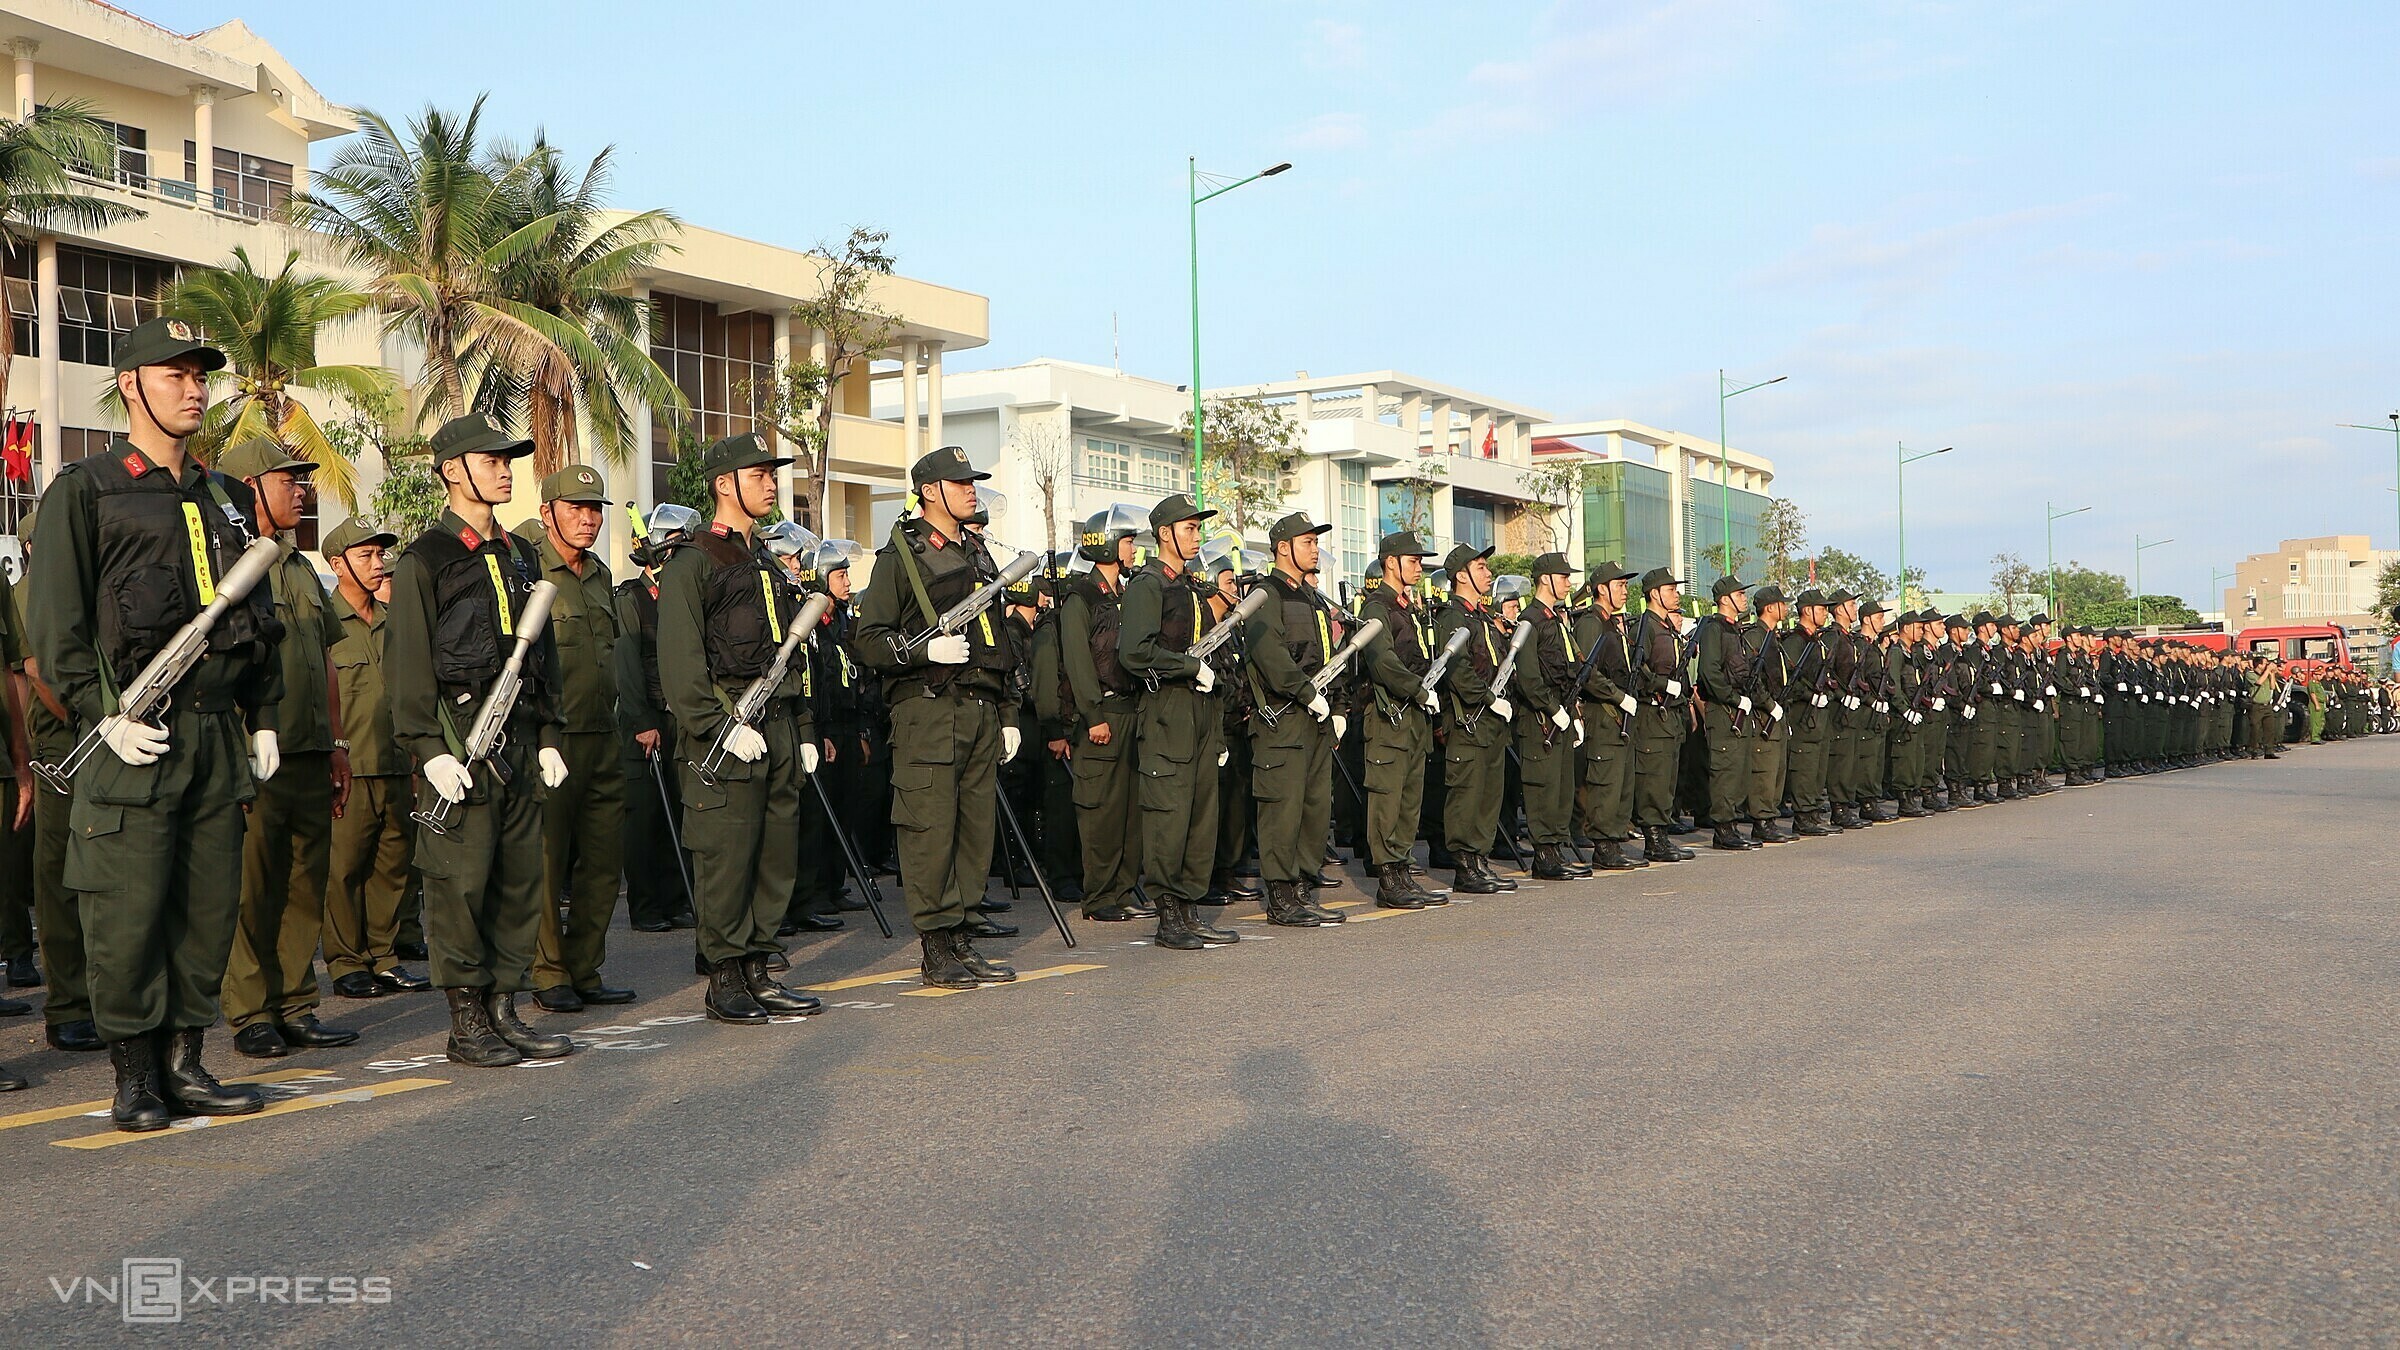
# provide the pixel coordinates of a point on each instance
(340, 1097)
(1022, 977)
(51, 1113)
(856, 981)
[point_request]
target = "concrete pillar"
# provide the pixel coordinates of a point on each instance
(1441, 426)
(204, 141)
(789, 474)
(45, 309)
(933, 396)
(23, 49)
(908, 401)
(1479, 424)
(1370, 402)
(1412, 412)
(644, 432)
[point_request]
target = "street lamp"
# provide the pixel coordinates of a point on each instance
(2138, 546)
(2050, 535)
(1901, 473)
(2361, 426)
(1725, 460)
(1216, 188)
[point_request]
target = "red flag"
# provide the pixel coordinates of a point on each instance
(1491, 442)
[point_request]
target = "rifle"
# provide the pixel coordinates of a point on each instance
(1442, 660)
(147, 699)
(1323, 679)
(1218, 636)
(1507, 669)
(1584, 672)
(751, 708)
(966, 611)
(490, 732)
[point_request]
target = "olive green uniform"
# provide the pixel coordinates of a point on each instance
(1608, 727)
(483, 875)
(1770, 721)
(1810, 712)
(1664, 720)
(1474, 742)
(1101, 694)
(583, 819)
(58, 922)
(154, 851)
(16, 846)
(286, 852)
(1290, 639)
(1725, 682)
(1396, 734)
(374, 842)
(1181, 731)
(1546, 756)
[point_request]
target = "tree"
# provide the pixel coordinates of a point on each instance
(38, 193)
(1553, 488)
(798, 402)
(1717, 556)
(1048, 460)
(2387, 598)
(2081, 589)
(2012, 576)
(1512, 564)
(267, 327)
(1848, 571)
(1417, 496)
(1783, 544)
(1251, 445)
(407, 499)
(573, 288)
(2166, 610)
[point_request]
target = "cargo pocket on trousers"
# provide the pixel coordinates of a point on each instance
(1267, 776)
(109, 781)
(912, 796)
(1093, 768)
(90, 827)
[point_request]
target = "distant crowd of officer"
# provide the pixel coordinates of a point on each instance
(461, 754)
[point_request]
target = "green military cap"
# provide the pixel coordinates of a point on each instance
(946, 465)
(1872, 607)
(1610, 571)
(1725, 586)
(356, 532)
(1659, 576)
(1293, 526)
(1957, 621)
(2037, 621)
(1812, 598)
(473, 435)
(576, 483)
(1982, 617)
(1461, 555)
(1176, 508)
(1552, 565)
(2006, 621)
(257, 456)
(155, 342)
(1840, 596)
(1766, 595)
(747, 450)
(1402, 544)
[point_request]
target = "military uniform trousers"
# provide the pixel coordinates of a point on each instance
(654, 889)
(1235, 811)
(1179, 734)
(1546, 768)
(16, 875)
(1657, 745)
(1395, 750)
(1770, 748)
(744, 834)
(1933, 735)
(1474, 778)
(483, 875)
(373, 845)
(286, 854)
(1607, 775)
(1809, 756)
(1291, 777)
(945, 777)
(1108, 808)
(1728, 764)
(154, 857)
(583, 853)
(58, 920)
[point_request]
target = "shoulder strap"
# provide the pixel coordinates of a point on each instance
(916, 577)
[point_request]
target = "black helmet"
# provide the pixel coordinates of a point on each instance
(1101, 534)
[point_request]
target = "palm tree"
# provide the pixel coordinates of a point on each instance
(430, 222)
(267, 327)
(572, 289)
(38, 193)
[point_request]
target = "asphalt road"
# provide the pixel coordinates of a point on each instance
(2112, 1066)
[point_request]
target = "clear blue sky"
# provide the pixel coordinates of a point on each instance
(2133, 256)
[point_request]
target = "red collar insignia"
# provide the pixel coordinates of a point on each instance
(722, 530)
(137, 464)
(467, 536)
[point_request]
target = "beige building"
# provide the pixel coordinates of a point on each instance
(2329, 580)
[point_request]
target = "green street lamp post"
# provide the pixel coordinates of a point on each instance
(1194, 181)
(2138, 546)
(1901, 475)
(2050, 532)
(1725, 461)
(2395, 430)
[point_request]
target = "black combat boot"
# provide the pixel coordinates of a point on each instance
(473, 1040)
(139, 1106)
(522, 1038)
(1467, 876)
(1940, 802)
(1609, 856)
(191, 1090)
(1175, 927)
(1392, 890)
(1912, 806)
(1197, 917)
(940, 968)
(1483, 864)
(1546, 863)
(1845, 817)
(1658, 847)
(728, 997)
(1431, 895)
(1284, 907)
(1809, 823)
(1728, 837)
(771, 995)
(983, 968)
(2005, 790)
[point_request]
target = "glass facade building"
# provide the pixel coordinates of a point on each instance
(1628, 517)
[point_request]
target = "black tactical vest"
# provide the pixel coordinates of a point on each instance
(149, 528)
(746, 609)
(645, 627)
(1310, 633)
(472, 635)
(1107, 610)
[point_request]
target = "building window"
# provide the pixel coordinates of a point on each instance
(1358, 498)
(132, 166)
(723, 363)
(1163, 471)
(21, 310)
(251, 184)
(99, 296)
(1106, 463)
(1471, 520)
(81, 442)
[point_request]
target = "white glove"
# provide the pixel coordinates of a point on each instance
(2120, 686)
(554, 767)
(137, 743)
(1318, 708)
(947, 651)
(810, 758)
(1821, 700)
(1579, 733)
(1775, 710)
(745, 744)
(265, 755)
(1850, 701)
(1206, 679)
(1559, 717)
(449, 779)
(1995, 686)
(2083, 691)
(1674, 688)
(2037, 705)
(1937, 704)
(1222, 757)
(1912, 716)
(1341, 726)
(2051, 690)
(1433, 703)
(1882, 707)
(2100, 699)
(1969, 710)
(1743, 703)
(1010, 740)
(1628, 705)
(1502, 710)
(2019, 695)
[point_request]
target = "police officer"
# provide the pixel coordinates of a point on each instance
(1769, 718)
(1291, 638)
(374, 842)
(949, 735)
(1398, 713)
(657, 896)
(1549, 730)
(133, 540)
(50, 738)
(1725, 685)
(1099, 697)
(1610, 708)
(1476, 720)
(724, 612)
(1807, 649)
(1665, 717)
(583, 819)
(837, 682)
(457, 594)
